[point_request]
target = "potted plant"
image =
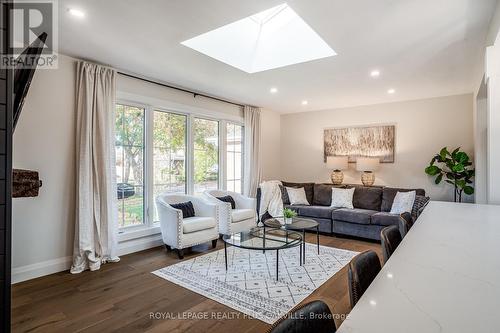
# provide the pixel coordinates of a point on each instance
(455, 168)
(289, 214)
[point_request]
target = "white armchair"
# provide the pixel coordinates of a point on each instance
(242, 218)
(180, 233)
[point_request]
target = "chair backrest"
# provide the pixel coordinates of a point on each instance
(391, 238)
(302, 320)
(174, 198)
(405, 223)
(218, 193)
(361, 272)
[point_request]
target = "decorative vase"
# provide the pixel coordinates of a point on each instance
(288, 220)
(368, 178)
(337, 177)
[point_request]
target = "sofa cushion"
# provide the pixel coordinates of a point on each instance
(418, 206)
(356, 215)
(385, 219)
(187, 208)
(321, 212)
(388, 194)
(308, 188)
(367, 197)
(323, 194)
(228, 199)
(197, 223)
(284, 195)
(238, 215)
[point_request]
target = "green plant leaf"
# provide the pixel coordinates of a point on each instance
(457, 168)
(462, 157)
(438, 179)
(444, 152)
(468, 190)
(432, 170)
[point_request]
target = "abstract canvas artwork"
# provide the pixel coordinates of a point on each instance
(372, 141)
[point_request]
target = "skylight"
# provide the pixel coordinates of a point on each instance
(273, 38)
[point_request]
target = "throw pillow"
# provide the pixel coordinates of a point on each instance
(186, 207)
(297, 196)
(342, 197)
(284, 195)
(229, 199)
(403, 202)
(420, 202)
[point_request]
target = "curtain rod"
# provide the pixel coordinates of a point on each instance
(194, 93)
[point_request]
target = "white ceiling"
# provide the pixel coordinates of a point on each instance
(423, 48)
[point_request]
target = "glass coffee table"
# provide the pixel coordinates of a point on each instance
(298, 224)
(264, 239)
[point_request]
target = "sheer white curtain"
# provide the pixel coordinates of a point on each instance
(252, 170)
(96, 211)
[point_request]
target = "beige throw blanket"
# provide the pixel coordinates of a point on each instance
(271, 200)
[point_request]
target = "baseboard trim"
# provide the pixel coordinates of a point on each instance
(28, 272)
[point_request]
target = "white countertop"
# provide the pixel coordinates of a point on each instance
(443, 277)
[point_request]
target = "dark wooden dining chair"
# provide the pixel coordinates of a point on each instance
(314, 317)
(405, 223)
(391, 238)
(362, 270)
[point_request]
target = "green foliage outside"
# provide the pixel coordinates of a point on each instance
(169, 144)
(455, 168)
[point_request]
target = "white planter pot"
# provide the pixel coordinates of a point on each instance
(288, 220)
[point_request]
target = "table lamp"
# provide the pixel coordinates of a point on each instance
(367, 165)
(337, 164)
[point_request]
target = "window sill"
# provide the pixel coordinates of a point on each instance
(135, 233)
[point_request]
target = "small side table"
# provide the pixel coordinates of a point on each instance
(298, 224)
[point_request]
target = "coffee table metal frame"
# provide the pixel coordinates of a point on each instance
(298, 224)
(286, 244)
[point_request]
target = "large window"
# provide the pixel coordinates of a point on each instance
(234, 157)
(130, 164)
(166, 151)
(169, 153)
(206, 155)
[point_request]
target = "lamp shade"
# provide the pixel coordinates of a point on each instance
(367, 163)
(337, 162)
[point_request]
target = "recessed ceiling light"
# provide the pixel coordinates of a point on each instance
(391, 91)
(273, 38)
(273, 90)
(373, 303)
(375, 73)
(390, 276)
(305, 102)
(76, 12)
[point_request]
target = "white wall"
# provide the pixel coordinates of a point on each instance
(423, 127)
(270, 143)
(44, 141)
(487, 159)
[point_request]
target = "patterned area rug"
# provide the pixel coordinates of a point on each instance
(250, 286)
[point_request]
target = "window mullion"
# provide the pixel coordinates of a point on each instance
(222, 154)
(148, 166)
(190, 155)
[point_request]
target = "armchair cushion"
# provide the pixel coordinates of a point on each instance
(229, 199)
(197, 223)
(186, 207)
(238, 215)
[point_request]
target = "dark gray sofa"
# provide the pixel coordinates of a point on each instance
(371, 213)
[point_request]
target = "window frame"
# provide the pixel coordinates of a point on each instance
(242, 153)
(154, 105)
(145, 179)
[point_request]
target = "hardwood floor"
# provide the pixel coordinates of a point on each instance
(122, 296)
